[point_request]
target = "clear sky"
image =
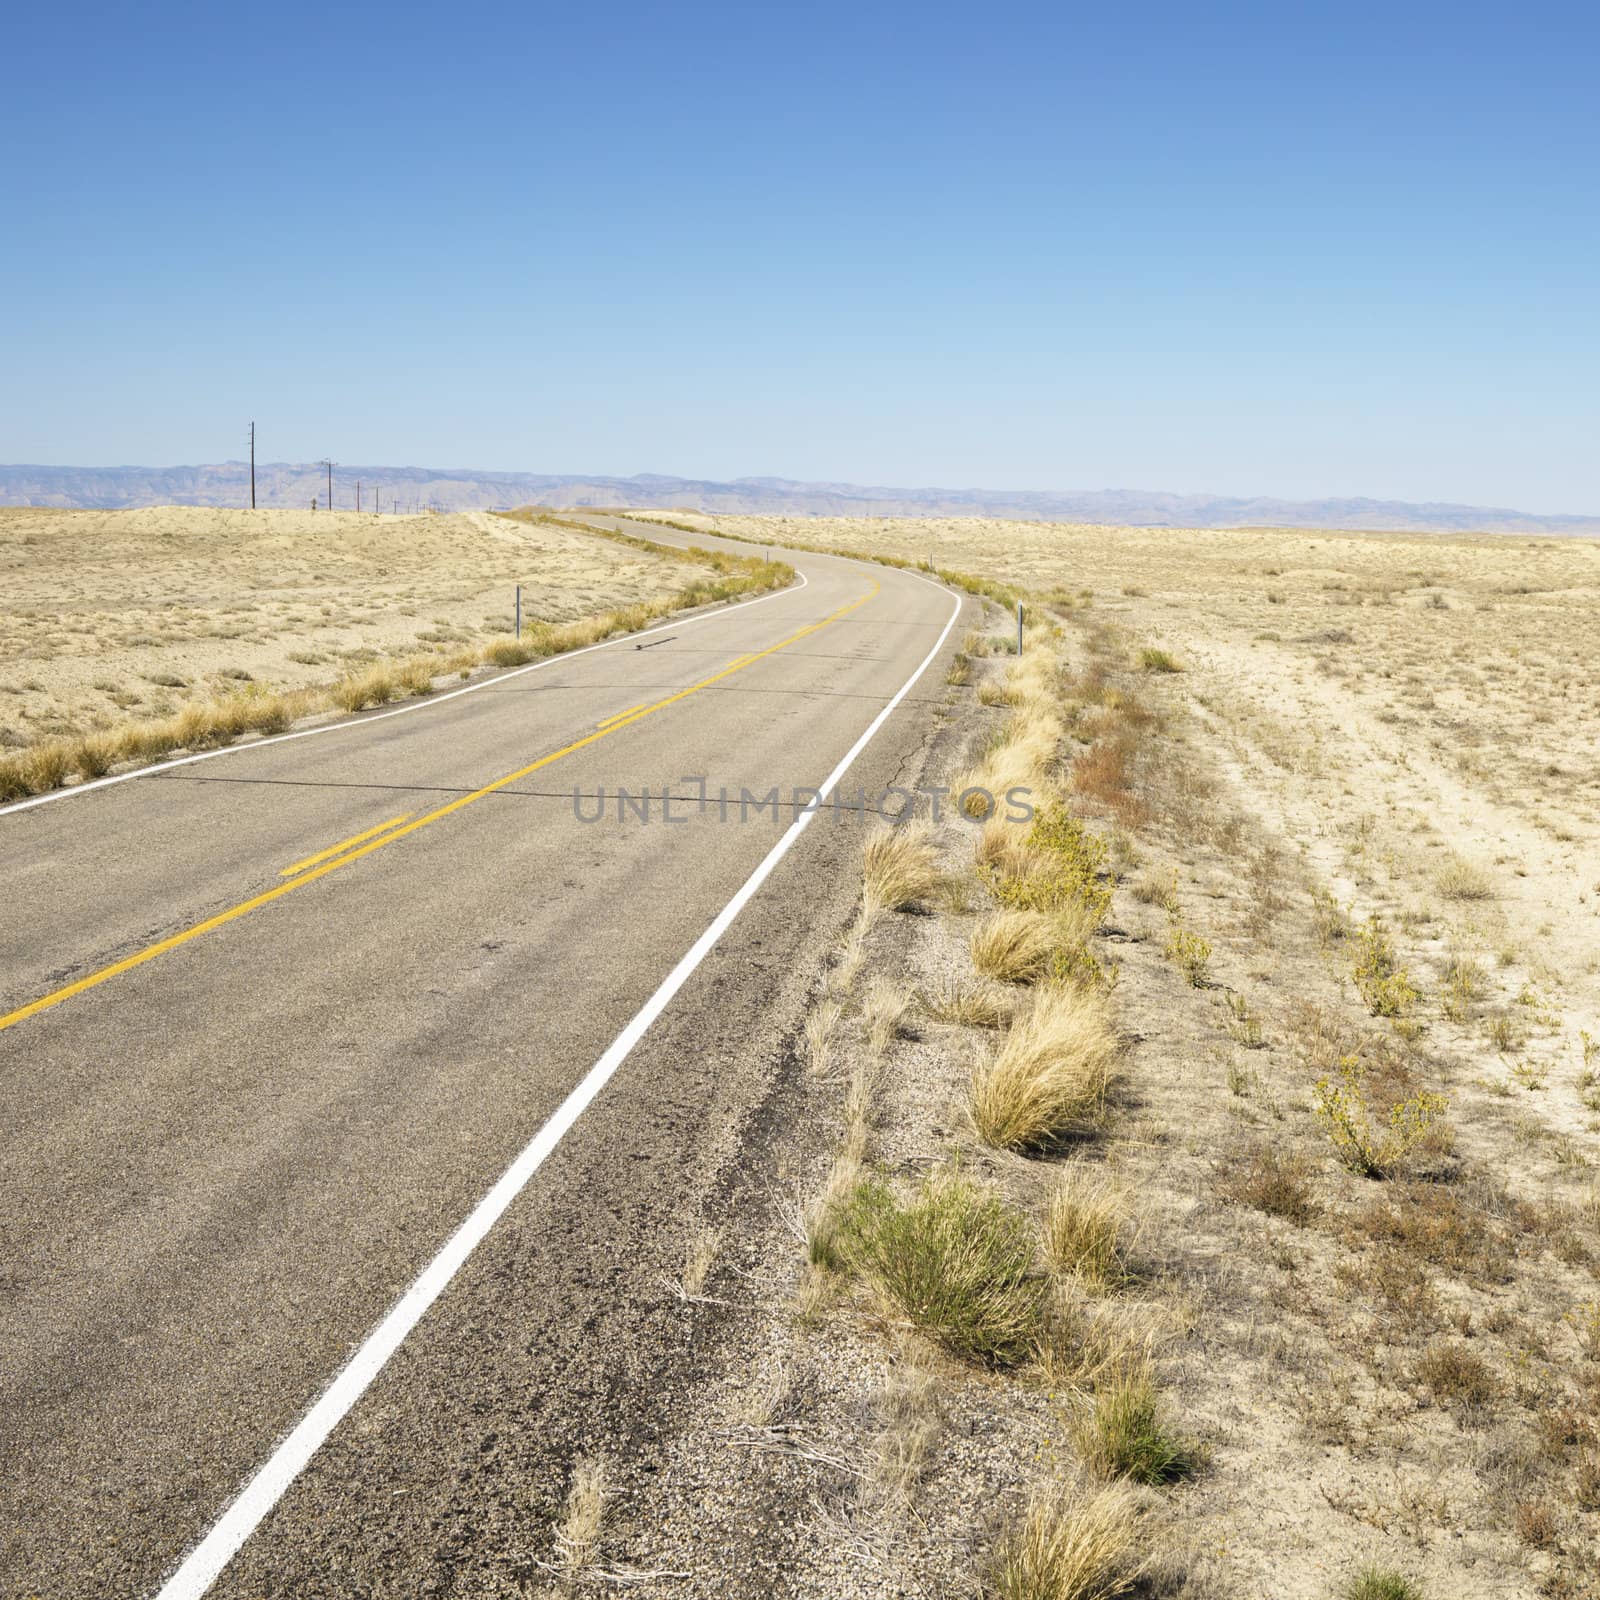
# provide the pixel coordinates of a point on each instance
(1296, 249)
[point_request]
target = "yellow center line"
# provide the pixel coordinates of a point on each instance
(343, 844)
(313, 873)
(617, 716)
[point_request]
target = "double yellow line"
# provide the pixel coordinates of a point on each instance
(360, 845)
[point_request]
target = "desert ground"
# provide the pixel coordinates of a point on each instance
(1325, 1235)
(108, 617)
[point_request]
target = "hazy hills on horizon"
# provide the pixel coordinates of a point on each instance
(290, 484)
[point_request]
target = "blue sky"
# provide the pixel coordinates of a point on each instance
(1287, 249)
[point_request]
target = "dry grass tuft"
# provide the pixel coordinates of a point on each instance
(1013, 946)
(909, 1413)
(821, 1025)
(883, 1010)
(1070, 1545)
(95, 754)
(1123, 1435)
(900, 868)
(1456, 1376)
(375, 687)
(698, 1260)
(969, 1005)
(1460, 880)
(1049, 1077)
(1002, 850)
(1380, 1583)
(1083, 1225)
(1274, 1182)
(1086, 1343)
(579, 1534)
(820, 1217)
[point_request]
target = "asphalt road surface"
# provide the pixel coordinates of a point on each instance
(253, 1084)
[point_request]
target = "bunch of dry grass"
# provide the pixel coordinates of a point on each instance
(376, 686)
(968, 1005)
(1275, 1182)
(883, 1010)
(1022, 760)
(909, 1412)
(1460, 879)
(1084, 1341)
(821, 1024)
(821, 1216)
(1070, 1544)
(1050, 1076)
(1002, 849)
(415, 676)
(1154, 660)
(579, 1534)
(1014, 946)
(1083, 1226)
(1123, 1435)
(1455, 1375)
(899, 868)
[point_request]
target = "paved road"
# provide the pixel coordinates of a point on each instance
(275, 1097)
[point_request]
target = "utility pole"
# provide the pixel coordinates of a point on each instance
(358, 497)
(330, 464)
(252, 466)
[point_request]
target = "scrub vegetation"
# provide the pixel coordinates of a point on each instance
(308, 594)
(1231, 1180)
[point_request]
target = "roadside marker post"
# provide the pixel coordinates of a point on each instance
(1019, 627)
(519, 610)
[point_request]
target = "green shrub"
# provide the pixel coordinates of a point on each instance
(954, 1259)
(1190, 953)
(1373, 1151)
(1383, 983)
(1152, 660)
(1380, 1583)
(1065, 871)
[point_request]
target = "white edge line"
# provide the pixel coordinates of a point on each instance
(203, 1564)
(422, 704)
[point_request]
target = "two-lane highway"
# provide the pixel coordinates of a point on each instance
(273, 1025)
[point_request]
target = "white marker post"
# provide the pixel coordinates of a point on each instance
(519, 610)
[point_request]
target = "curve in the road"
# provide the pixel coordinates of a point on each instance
(611, 725)
(200, 1568)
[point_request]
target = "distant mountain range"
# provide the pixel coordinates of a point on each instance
(285, 484)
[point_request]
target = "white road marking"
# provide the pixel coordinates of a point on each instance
(399, 711)
(201, 1567)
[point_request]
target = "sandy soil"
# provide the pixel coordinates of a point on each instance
(1406, 1372)
(108, 616)
(1394, 701)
